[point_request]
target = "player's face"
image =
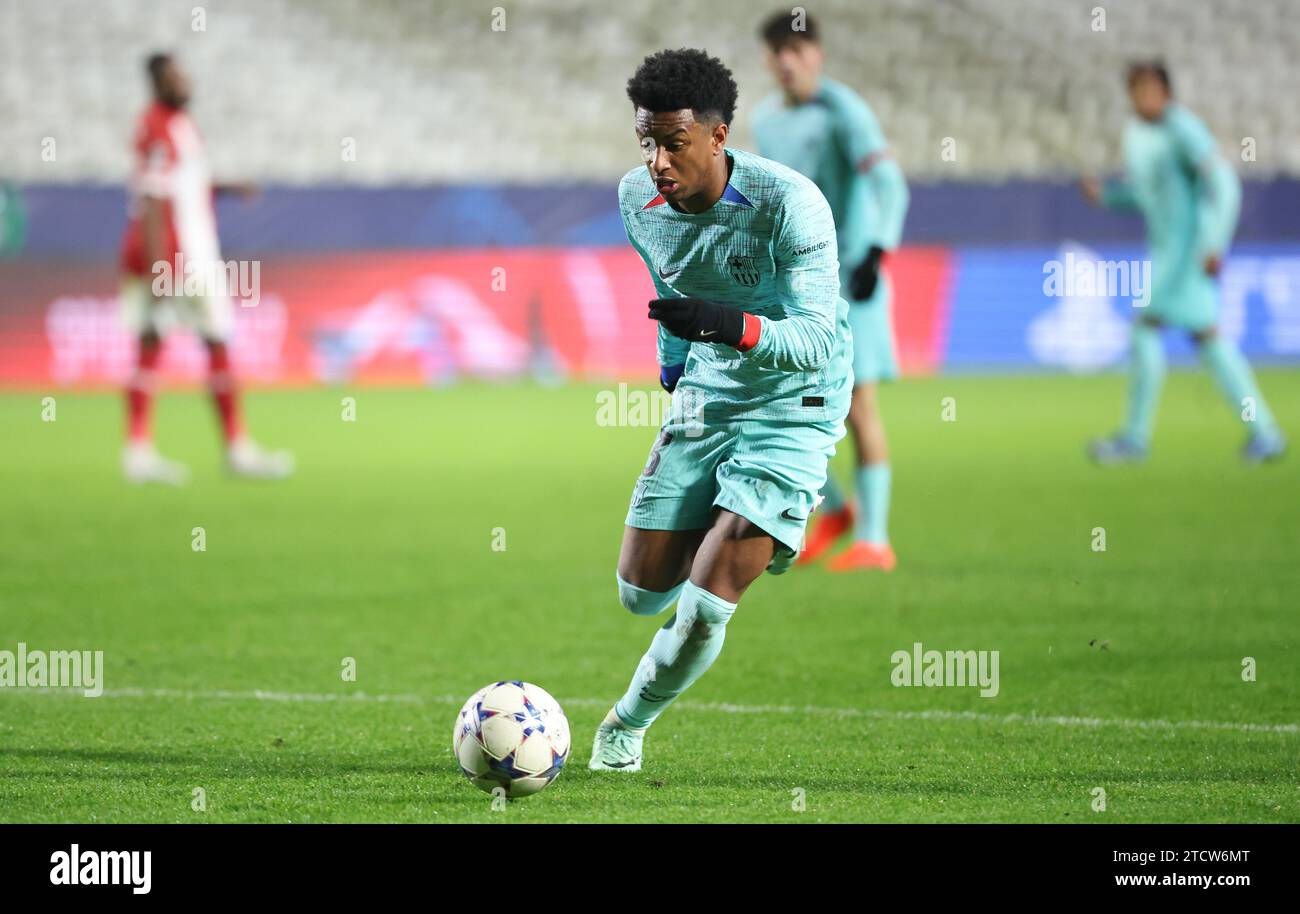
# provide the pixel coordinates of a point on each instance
(174, 85)
(680, 152)
(796, 65)
(1149, 97)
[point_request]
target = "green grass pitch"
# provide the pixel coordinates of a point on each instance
(1120, 670)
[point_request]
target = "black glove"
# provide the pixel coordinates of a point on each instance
(863, 281)
(699, 321)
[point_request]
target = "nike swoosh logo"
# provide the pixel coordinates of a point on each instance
(788, 516)
(707, 332)
(664, 274)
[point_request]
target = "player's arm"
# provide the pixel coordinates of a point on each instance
(670, 351)
(888, 187)
(671, 354)
(863, 142)
(156, 158)
(1219, 198)
(1220, 208)
(1117, 193)
(244, 190)
(884, 178)
(151, 227)
(807, 286)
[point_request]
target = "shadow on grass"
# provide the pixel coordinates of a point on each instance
(272, 764)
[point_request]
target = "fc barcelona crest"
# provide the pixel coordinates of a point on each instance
(743, 269)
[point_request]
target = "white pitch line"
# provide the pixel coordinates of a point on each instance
(1058, 720)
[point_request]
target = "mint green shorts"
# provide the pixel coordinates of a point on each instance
(1187, 300)
(766, 471)
(875, 357)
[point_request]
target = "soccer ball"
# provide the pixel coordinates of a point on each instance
(511, 735)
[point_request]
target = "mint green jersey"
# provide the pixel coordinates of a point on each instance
(1190, 197)
(767, 247)
(836, 140)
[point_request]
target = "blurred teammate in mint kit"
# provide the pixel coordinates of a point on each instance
(823, 129)
(1189, 196)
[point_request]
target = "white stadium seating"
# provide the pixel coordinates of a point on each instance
(429, 92)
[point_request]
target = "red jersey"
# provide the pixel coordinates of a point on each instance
(171, 166)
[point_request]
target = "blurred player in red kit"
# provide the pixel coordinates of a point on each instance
(172, 274)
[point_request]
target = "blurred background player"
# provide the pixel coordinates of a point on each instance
(742, 254)
(172, 214)
(1190, 197)
(824, 130)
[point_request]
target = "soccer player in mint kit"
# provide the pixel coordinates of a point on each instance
(823, 129)
(1189, 196)
(753, 333)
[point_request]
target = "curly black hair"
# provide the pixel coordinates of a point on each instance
(685, 78)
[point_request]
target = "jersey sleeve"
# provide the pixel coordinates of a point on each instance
(807, 286)
(858, 132)
(758, 127)
(155, 158)
(864, 145)
(669, 349)
(1219, 188)
(1193, 140)
(889, 190)
(1220, 208)
(1117, 194)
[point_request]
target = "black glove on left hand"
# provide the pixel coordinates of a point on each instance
(863, 281)
(699, 321)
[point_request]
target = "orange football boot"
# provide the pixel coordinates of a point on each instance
(864, 556)
(826, 529)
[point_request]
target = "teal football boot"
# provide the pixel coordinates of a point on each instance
(617, 746)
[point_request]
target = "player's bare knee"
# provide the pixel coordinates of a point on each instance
(644, 573)
(733, 556)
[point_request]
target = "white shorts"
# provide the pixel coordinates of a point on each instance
(210, 316)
